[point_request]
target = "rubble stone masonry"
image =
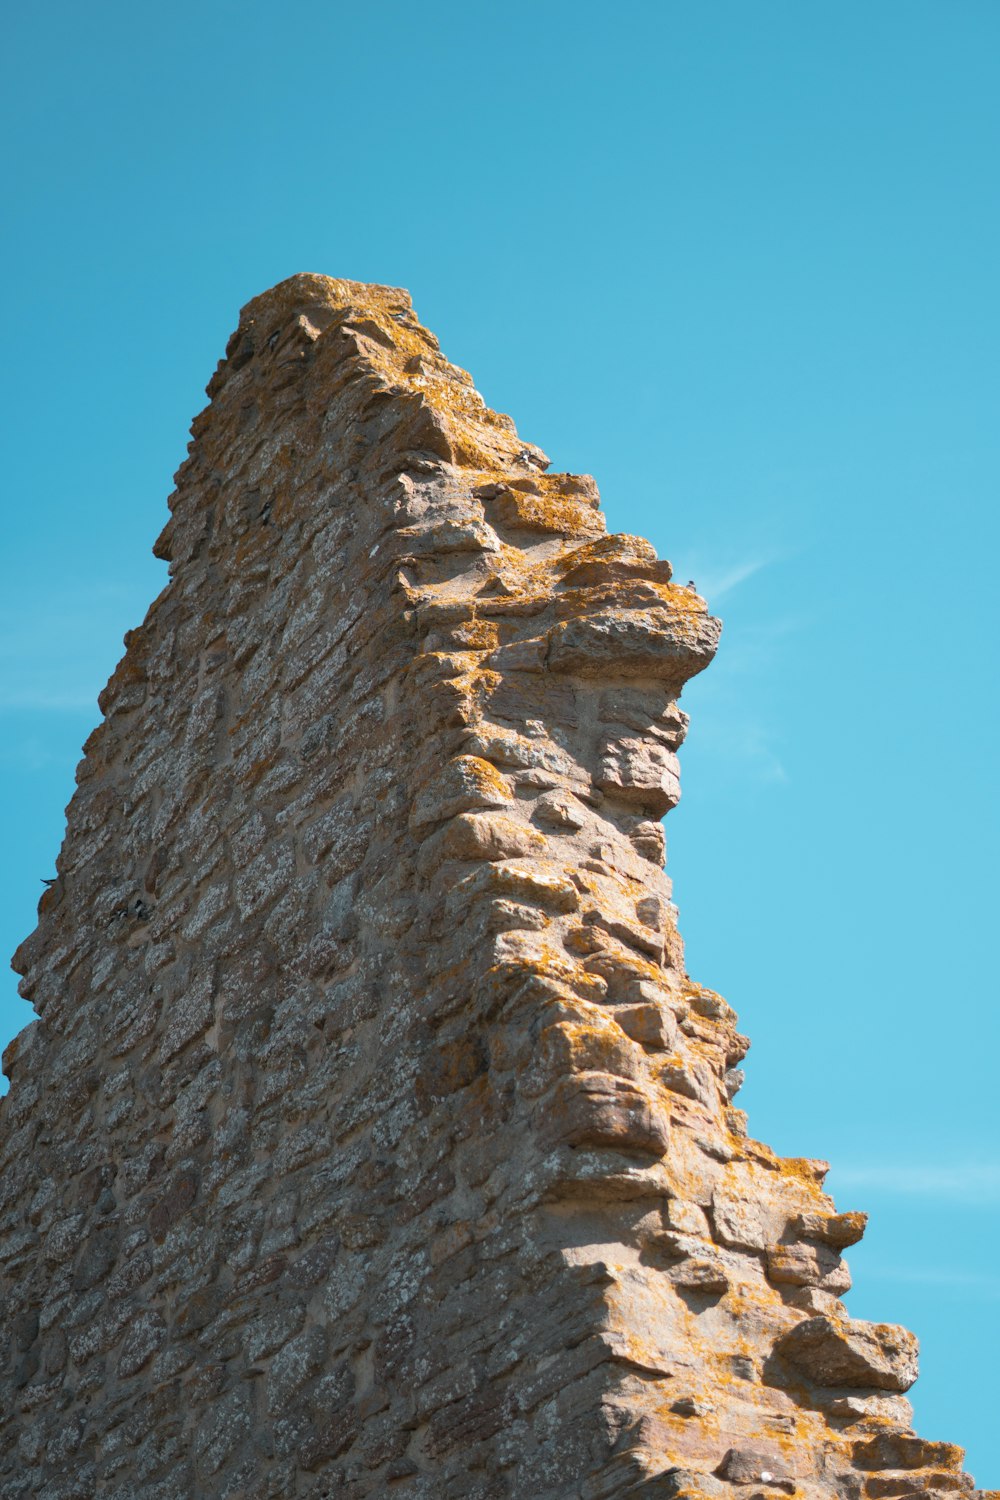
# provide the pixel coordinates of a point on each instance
(372, 1139)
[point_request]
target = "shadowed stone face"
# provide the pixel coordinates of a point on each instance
(372, 1139)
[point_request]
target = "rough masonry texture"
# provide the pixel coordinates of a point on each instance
(372, 1139)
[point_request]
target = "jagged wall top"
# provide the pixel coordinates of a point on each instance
(378, 323)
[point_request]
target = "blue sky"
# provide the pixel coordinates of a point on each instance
(738, 261)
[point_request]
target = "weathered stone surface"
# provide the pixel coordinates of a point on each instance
(746, 1466)
(808, 1265)
(838, 1230)
(832, 1351)
(372, 1139)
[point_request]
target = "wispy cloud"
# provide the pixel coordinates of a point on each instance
(44, 700)
(54, 688)
(35, 755)
(748, 742)
(949, 1277)
(751, 650)
(57, 649)
(716, 583)
(731, 718)
(715, 575)
(964, 1182)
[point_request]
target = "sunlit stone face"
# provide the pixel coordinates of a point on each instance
(372, 1137)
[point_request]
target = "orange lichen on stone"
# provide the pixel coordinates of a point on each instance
(373, 1138)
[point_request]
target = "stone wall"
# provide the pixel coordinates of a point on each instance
(372, 1139)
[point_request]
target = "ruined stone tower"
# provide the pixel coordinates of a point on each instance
(372, 1139)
